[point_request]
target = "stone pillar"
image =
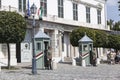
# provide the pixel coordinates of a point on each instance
(56, 43)
(13, 54)
(72, 51)
(0, 47)
(54, 65)
(76, 52)
(1, 54)
(83, 63)
(73, 62)
(60, 45)
(0, 67)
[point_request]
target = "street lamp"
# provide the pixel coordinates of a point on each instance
(33, 10)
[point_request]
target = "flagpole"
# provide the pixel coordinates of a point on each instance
(28, 8)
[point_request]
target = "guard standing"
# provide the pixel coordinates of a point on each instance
(49, 57)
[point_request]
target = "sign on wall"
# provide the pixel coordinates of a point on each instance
(26, 52)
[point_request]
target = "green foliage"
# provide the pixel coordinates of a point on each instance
(79, 33)
(12, 27)
(114, 41)
(110, 23)
(116, 26)
(100, 38)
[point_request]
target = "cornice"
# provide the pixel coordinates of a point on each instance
(99, 6)
(101, 1)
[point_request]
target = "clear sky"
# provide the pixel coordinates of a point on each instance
(112, 10)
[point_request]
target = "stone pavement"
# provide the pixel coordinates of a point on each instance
(65, 72)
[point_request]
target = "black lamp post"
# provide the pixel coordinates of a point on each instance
(33, 12)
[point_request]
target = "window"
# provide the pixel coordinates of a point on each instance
(22, 5)
(60, 9)
(85, 47)
(99, 16)
(75, 11)
(0, 4)
(43, 4)
(38, 46)
(88, 14)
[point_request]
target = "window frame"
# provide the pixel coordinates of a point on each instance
(88, 19)
(38, 47)
(75, 11)
(0, 3)
(98, 16)
(22, 5)
(60, 9)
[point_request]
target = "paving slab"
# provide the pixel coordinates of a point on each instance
(64, 72)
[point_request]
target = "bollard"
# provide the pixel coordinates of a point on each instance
(0, 67)
(54, 65)
(98, 61)
(83, 63)
(73, 62)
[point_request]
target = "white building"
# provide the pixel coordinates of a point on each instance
(60, 17)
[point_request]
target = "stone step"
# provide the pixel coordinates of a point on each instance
(67, 59)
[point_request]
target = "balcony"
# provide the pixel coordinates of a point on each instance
(56, 19)
(10, 8)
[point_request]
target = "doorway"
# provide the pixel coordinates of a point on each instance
(45, 54)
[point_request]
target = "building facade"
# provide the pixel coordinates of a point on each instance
(59, 18)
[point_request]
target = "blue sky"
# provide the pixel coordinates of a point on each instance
(112, 10)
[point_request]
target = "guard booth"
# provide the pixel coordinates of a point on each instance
(85, 50)
(42, 41)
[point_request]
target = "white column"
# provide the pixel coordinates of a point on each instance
(72, 51)
(76, 52)
(60, 46)
(0, 47)
(56, 43)
(1, 54)
(13, 60)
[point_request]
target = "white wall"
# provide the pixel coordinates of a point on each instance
(93, 17)
(103, 15)
(13, 3)
(82, 13)
(68, 10)
(52, 7)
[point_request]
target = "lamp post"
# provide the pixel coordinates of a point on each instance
(33, 11)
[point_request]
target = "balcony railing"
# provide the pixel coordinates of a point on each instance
(56, 19)
(10, 8)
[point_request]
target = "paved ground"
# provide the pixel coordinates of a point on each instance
(65, 72)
